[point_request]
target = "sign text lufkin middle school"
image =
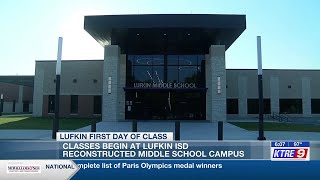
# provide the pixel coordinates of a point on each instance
(164, 85)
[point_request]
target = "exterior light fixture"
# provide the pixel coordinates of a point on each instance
(109, 85)
(219, 84)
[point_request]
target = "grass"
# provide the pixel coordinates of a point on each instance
(270, 126)
(27, 122)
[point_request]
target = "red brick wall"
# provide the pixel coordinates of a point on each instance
(10, 92)
(28, 94)
(65, 106)
(85, 106)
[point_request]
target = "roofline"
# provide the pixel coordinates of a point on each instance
(17, 84)
(279, 69)
(70, 60)
(17, 75)
(226, 69)
(163, 14)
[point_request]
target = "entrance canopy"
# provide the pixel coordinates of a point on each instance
(169, 33)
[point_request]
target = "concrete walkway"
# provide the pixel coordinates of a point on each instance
(292, 120)
(280, 135)
(25, 134)
(14, 115)
(189, 131)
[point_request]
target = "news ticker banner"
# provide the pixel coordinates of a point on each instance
(155, 145)
(158, 169)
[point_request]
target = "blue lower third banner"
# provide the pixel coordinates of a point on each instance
(159, 160)
(196, 169)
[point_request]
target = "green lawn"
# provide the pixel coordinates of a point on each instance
(27, 122)
(269, 126)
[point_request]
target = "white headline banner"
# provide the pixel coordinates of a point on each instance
(115, 136)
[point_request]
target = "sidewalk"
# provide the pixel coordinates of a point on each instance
(24, 134)
(293, 120)
(189, 131)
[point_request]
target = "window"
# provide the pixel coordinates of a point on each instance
(253, 106)
(166, 68)
(290, 106)
(143, 74)
(173, 60)
(74, 104)
(25, 106)
(97, 104)
(173, 74)
(51, 103)
(14, 106)
(232, 106)
(158, 74)
(188, 74)
(315, 106)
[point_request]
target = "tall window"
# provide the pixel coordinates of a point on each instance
(290, 106)
(253, 106)
(166, 68)
(14, 106)
(97, 103)
(315, 106)
(74, 104)
(51, 103)
(146, 68)
(232, 106)
(26, 106)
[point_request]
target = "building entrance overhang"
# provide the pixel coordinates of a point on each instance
(171, 33)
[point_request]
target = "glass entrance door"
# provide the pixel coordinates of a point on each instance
(156, 105)
(147, 105)
(161, 105)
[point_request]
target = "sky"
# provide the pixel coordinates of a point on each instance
(29, 30)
